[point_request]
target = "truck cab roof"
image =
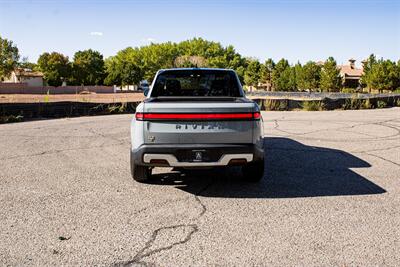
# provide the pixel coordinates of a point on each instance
(204, 69)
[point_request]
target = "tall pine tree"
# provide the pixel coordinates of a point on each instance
(331, 80)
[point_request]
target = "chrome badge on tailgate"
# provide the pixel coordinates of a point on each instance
(215, 125)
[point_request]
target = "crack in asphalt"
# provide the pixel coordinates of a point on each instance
(360, 133)
(204, 208)
(385, 123)
(62, 150)
(197, 198)
(276, 127)
(380, 123)
(382, 158)
(91, 130)
(137, 259)
(191, 227)
(374, 150)
(339, 152)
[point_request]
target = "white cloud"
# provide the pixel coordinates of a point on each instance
(96, 33)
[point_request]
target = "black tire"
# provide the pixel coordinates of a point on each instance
(139, 173)
(254, 171)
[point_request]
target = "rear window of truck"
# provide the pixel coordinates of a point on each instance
(200, 83)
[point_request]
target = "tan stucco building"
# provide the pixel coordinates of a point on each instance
(31, 78)
(351, 75)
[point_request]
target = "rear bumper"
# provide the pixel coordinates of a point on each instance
(180, 155)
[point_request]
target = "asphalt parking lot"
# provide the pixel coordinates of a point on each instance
(330, 196)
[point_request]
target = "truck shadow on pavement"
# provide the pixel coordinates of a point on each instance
(292, 170)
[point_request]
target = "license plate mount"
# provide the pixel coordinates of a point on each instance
(198, 155)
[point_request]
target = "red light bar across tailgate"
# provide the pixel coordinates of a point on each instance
(198, 116)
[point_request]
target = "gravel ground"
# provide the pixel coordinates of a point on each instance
(330, 196)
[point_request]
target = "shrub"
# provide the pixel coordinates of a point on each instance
(367, 104)
(113, 109)
(260, 103)
(313, 105)
(353, 103)
(381, 104)
(275, 104)
(47, 97)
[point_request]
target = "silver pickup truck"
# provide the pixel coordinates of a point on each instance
(196, 118)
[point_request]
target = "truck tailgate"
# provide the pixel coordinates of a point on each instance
(198, 122)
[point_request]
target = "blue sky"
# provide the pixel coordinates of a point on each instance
(297, 30)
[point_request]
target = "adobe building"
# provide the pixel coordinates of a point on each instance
(351, 75)
(27, 76)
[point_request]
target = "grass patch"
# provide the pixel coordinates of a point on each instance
(275, 105)
(117, 108)
(312, 105)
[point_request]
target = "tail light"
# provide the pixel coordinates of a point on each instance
(256, 115)
(197, 116)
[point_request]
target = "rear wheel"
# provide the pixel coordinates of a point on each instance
(139, 173)
(253, 171)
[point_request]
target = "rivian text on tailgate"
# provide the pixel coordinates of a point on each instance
(196, 118)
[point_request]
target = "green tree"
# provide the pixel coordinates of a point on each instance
(367, 71)
(9, 57)
(292, 86)
(280, 67)
(55, 67)
(155, 57)
(204, 48)
(190, 62)
(252, 73)
(398, 75)
(124, 68)
(283, 76)
(241, 70)
(330, 76)
(380, 74)
(134, 64)
(235, 61)
(266, 72)
(215, 55)
(309, 77)
(88, 68)
(298, 68)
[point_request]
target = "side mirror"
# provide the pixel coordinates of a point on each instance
(146, 91)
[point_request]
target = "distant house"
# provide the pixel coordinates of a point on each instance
(351, 75)
(267, 86)
(31, 78)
